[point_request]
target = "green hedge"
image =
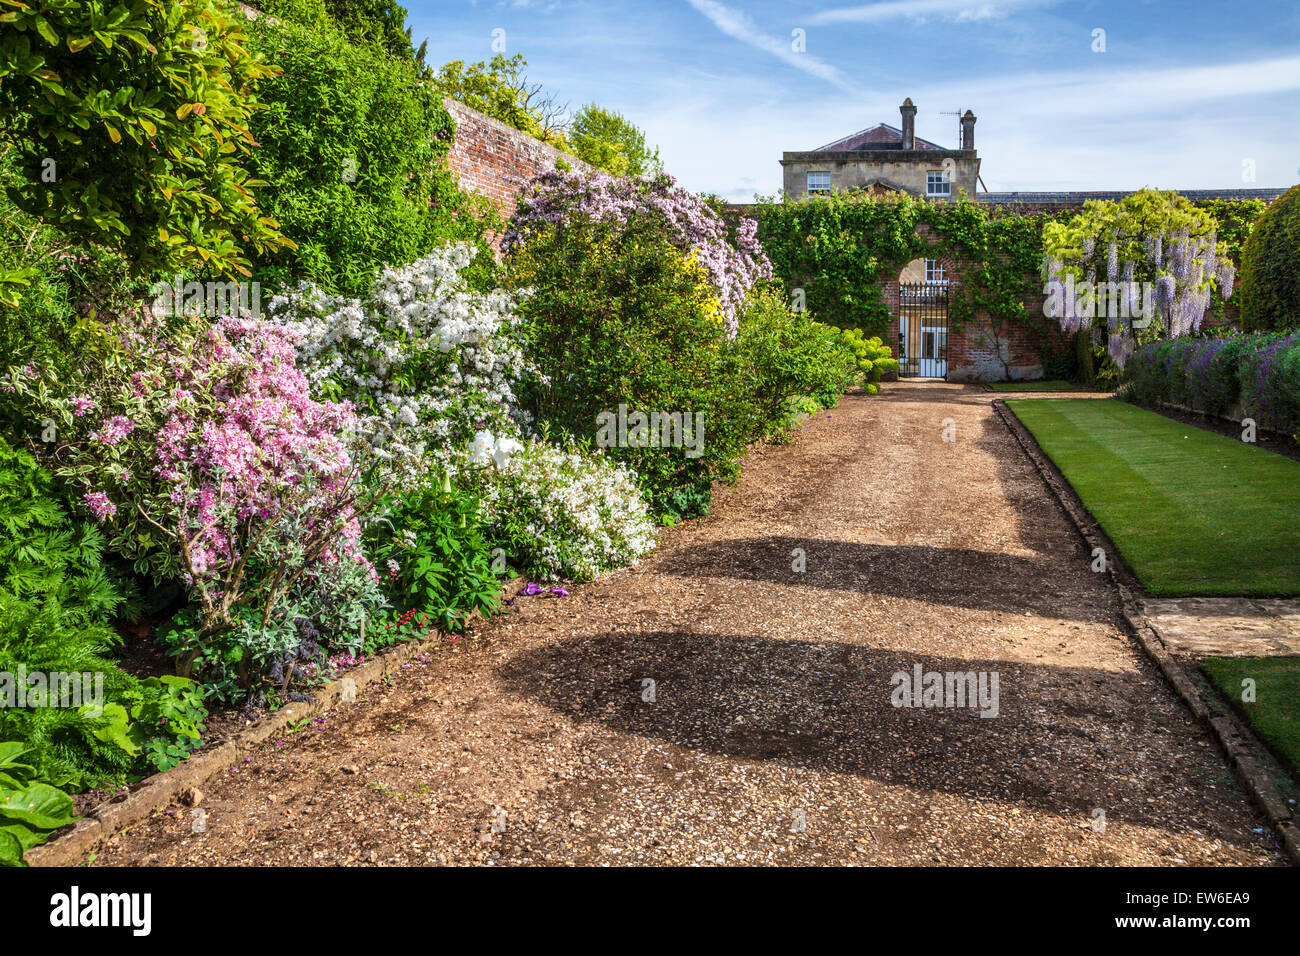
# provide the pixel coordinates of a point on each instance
(1270, 267)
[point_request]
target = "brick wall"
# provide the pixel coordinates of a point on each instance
(496, 160)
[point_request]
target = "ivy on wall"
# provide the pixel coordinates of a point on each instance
(841, 249)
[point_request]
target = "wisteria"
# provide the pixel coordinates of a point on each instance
(555, 198)
(1159, 278)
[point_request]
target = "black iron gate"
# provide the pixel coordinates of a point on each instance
(923, 329)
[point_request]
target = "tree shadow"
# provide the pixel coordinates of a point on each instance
(1065, 740)
(957, 577)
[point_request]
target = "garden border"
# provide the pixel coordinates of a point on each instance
(1247, 756)
(70, 847)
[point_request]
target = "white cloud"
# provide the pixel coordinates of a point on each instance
(1178, 127)
(959, 10)
(739, 26)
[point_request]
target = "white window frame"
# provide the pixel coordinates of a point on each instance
(935, 274)
(819, 188)
(937, 178)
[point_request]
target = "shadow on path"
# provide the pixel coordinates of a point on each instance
(1063, 741)
(956, 577)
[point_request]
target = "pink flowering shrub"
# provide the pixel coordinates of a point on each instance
(203, 454)
(731, 264)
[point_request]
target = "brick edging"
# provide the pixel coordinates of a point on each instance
(71, 846)
(1248, 757)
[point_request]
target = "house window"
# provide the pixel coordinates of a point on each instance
(819, 182)
(934, 273)
(937, 183)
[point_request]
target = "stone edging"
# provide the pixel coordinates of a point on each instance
(1245, 753)
(71, 846)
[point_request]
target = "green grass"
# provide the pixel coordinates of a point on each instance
(1192, 512)
(1275, 712)
(1052, 385)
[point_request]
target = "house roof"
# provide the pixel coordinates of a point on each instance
(880, 136)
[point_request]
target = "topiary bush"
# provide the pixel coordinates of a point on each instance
(1270, 267)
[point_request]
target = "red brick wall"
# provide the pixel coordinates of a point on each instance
(496, 160)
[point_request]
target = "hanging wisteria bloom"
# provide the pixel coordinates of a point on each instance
(1159, 280)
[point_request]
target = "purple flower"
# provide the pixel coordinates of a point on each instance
(99, 505)
(559, 592)
(530, 589)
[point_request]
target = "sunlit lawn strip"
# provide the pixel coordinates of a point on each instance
(1053, 385)
(1192, 512)
(1274, 713)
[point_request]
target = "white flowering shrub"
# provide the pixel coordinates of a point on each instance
(561, 514)
(426, 361)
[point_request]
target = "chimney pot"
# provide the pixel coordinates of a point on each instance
(908, 112)
(968, 130)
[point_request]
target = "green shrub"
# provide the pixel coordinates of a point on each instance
(787, 356)
(1270, 267)
(618, 317)
(432, 548)
(130, 122)
(352, 147)
(870, 357)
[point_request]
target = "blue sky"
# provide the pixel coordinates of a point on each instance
(1184, 95)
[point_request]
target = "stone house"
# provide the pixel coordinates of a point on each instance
(883, 159)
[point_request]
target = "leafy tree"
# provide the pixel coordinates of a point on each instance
(610, 141)
(351, 144)
(376, 21)
(501, 89)
(1270, 264)
(131, 128)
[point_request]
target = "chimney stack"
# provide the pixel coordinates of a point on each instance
(909, 123)
(968, 130)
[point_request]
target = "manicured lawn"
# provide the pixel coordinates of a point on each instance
(1053, 385)
(1275, 712)
(1192, 512)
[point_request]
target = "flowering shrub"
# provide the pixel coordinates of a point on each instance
(424, 360)
(1257, 374)
(203, 455)
(1270, 383)
(732, 265)
(562, 514)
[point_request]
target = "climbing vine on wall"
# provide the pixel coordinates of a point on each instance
(841, 249)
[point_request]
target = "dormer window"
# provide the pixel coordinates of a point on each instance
(937, 183)
(819, 182)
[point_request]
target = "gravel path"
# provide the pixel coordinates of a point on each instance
(771, 737)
